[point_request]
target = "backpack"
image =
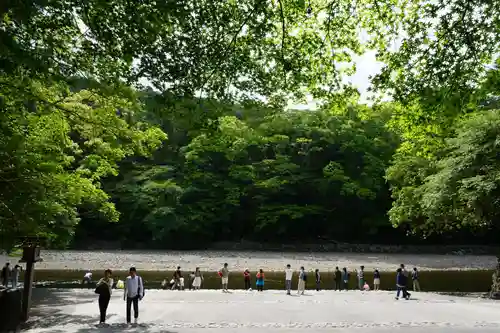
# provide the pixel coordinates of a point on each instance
(139, 288)
(304, 277)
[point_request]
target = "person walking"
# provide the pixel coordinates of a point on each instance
(15, 275)
(260, 280)
(415, 277)
(361, 277)
(345, 278)
(337, 282)
(302, 281)
(224, 274)
(198, 279)
(246, 278)
(318, 279)
(405, 280)
(133, 293)
(399, 282)
(288, 279)
(376, 280)
(104, 288)
(6, 273)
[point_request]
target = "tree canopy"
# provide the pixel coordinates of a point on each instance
(170, 118)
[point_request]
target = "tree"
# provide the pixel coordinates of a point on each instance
(445, 181)
(56, 145)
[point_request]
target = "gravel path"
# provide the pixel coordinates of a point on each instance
(269, 261)
(75, 311)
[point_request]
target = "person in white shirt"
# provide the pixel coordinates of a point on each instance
(87, 277)
(288, 279)
(133, 292)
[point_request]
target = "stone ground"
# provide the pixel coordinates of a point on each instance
(76, 311)
(269, 261)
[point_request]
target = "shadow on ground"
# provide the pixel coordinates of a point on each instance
(43, 297)
(143, 328)
(46, 308)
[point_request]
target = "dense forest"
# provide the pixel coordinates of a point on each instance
(172, 124)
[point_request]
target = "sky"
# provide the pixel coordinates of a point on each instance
(366, 66)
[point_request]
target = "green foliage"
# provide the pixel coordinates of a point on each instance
(444, 174)
(81, 136)
(55, 150)
(461, 188)
(266, 177)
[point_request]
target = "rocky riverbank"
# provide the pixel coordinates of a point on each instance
(239, 260)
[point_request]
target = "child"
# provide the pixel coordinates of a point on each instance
(366, 287)
(318, 279)
(246, 277)
(260, 280)
(376, 280)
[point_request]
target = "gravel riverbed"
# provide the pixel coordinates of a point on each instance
(269, 261)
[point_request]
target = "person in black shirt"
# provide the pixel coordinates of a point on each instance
(404, 282)
(338, 279)
(177, 278)
(318, 279)
(6, 272)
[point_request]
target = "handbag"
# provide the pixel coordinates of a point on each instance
(102, 289)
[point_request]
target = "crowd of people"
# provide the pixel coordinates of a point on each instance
(10, 275)
(341, 280)
(133, 286)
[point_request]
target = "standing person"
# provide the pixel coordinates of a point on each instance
(87, 278)
(361, 277)
(133, 293)
(288, 279)
(198, 279)
(15, 275)
(191, 280)
(6, 272)
(177, 279)
(337, 284)
(260, 280)
(376, 280)
(246, 278)
(224, 274)
(302, 281)
(414, 277)
(318, 279)
(345, 278)
(104, 289)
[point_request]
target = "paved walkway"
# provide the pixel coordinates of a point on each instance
(76, 311)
